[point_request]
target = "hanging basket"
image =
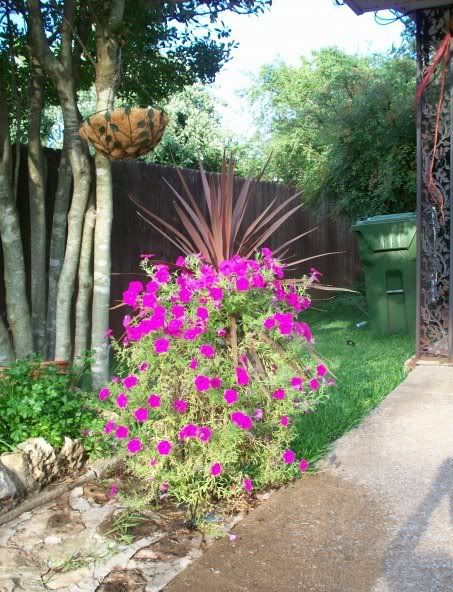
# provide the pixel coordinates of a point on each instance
(124, 134)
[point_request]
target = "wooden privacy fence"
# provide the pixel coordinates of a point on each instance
(132, 236)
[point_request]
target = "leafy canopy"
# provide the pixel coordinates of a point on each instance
(341, 127)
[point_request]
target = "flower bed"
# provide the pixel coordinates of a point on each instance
(204, 410)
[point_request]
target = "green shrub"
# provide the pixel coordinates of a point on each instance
(211, 384)
(38, 401)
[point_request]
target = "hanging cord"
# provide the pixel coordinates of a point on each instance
(442, 56)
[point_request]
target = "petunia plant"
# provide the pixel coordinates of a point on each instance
(212, 377)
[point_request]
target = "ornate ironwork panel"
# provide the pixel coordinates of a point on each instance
(435, 160)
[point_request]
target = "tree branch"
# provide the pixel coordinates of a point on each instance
(39, 40)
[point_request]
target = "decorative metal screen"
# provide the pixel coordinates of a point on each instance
(435, 268)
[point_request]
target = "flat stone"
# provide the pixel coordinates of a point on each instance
(19, 471)
(8, 490)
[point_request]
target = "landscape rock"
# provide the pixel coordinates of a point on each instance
(72, 455)
(42, 459)
(18, 467)
(7, 488)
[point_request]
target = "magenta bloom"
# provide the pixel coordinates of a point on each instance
(258, 414)
(242, 420)
(161, 345)
(103, 394)
(162, 275)
(180, 261)
(141, 414)
(216, 469)
(248, 485)
(296, 382)
(188, 431)
(149, 300)
(121, 401)
(215, 382)
(178, 311)
(230, 396)
(258, 281)
(204, 434)
(121, 432)
(284, 421)
(203, 313)
(163, 447)
(135, 445)
(202, 383)
(193, 364)
(285, 329)
(279, 394)
(143, 367)
(113, 491)
(314, 384)
(184, 295)
(154, 401)
(109, 427)
(221, 332)
(216, 294)
(152, 287)
(303, 465)
(153, 462)
(207, 350)
(180, 406)
(242, 376)
(321, 370)
(289, 456)
(242, 284)
(269, 323)
(130, 381)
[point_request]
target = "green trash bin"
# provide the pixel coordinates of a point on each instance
(388, 252)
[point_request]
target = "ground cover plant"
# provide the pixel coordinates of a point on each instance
(367, 365)
(37, 401)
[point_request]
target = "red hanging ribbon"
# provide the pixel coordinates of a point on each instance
(442, 56)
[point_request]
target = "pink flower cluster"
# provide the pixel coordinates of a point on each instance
(184, 307)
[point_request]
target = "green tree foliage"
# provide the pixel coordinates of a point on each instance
(341, 127)
(194, 132)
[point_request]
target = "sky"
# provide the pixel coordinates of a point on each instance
(292, 28)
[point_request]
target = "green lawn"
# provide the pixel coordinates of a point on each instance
(365, 372)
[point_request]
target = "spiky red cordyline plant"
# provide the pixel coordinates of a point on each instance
(220, 236)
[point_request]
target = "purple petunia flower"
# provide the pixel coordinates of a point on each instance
(215, 382)
(242, 420)
(103, 394)
(248, 485)
(180, 406)
(289, 456)
(121, 432)
(163, 447)
(321, 370)
(242, 376)
(230, 396)
(188, 431)
(122, 401)
(216, 469)
(303, 465)
(207, 350)
(204, 434)
(141, 414)
(202, 383)
(154, 401)
(279, 394)
(135, 445)
(130, 381)
(161, 345)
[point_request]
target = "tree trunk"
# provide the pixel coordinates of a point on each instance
(36, 188)
(81, 179)
(17, 309)
(107, 81)
(58, 244)
(82, 330)
(6, 351)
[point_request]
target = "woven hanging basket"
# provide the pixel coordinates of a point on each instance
(124, 134)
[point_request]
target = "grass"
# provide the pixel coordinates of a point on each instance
(367, 366)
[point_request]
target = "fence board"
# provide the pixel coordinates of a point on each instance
(132, 236)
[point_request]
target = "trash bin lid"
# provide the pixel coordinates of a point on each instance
(391, 232)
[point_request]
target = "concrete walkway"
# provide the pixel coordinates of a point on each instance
(377, 517)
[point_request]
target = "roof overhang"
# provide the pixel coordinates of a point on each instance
(403, 6)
